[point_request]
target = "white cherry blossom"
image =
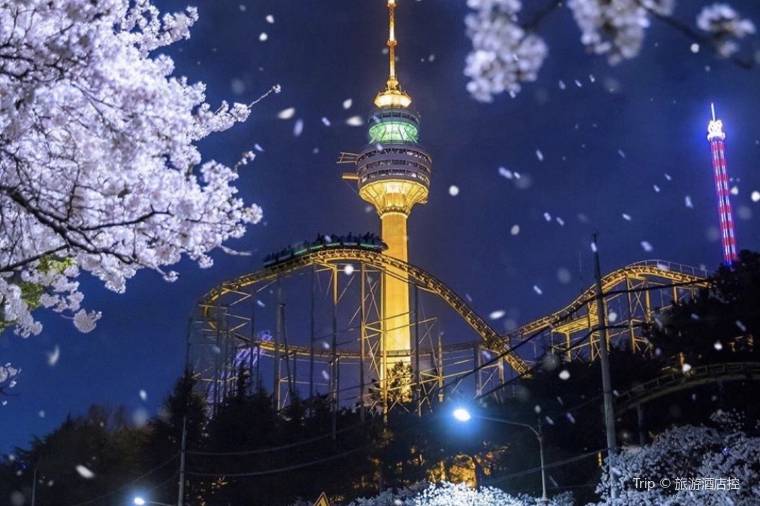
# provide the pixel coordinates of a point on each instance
(99, 168)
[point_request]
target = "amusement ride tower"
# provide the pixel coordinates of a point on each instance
(393, 174)
(717, 138)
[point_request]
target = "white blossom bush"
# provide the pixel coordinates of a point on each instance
(99, 169)
(504, 54)
(449, 494)
(507, 51)
(685, 453)
(723, 23)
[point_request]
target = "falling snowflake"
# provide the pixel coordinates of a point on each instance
(453, 190)
(537, 289)
(143, 395)
(646, 246)
(504, 172)
(286, 113)
(515, 229)
(263, 37)
(84, 472)
(564, 374)
(355, 121)
(348, 269)
(755, 196)
(347, 103)
(298, 128)
(540, 155)
(688, 202)
(53, 356)
(270, 19)
(626, 216)
(497, 314)
(325, 121)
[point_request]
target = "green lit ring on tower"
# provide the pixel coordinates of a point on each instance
(394, 126)
(393, 151)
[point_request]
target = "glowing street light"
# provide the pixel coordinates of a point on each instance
(463, 415)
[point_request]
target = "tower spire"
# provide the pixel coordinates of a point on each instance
(392, 83)
(392, 96)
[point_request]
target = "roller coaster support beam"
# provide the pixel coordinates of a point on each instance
(418, 386)
(362, 343)
(311, 336)
(276, 365)
(334, 348)
(252, 346)
(604, 360)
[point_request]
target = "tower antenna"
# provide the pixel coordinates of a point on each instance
(392, 83)
(392, 96)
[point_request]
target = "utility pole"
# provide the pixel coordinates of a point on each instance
(183, 447)
(34, 486)
(604, 360)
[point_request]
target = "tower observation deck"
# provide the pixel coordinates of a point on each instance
(393, 174)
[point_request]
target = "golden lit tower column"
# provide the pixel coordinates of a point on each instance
(393, 174)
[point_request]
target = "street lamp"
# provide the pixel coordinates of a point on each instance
(463, 415)
(139, 501)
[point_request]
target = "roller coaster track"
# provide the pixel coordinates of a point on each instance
(677, 381)
(673, 272)
(490, 338)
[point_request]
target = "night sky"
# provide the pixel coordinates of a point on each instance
(590, 141)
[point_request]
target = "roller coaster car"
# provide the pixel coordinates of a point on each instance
(367, 241)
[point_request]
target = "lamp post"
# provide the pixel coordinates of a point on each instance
(463, 415)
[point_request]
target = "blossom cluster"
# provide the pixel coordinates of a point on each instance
(616, 28)
(99, 169)
(507, 51)
(504, 54)
(725, 25)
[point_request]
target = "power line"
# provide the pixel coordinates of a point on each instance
(125, 485)
(282, 469)
(275, 448)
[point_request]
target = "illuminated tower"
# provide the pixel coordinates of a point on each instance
(717, 139)
(393, 174)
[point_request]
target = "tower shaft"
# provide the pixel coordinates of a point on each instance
(396, 341)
